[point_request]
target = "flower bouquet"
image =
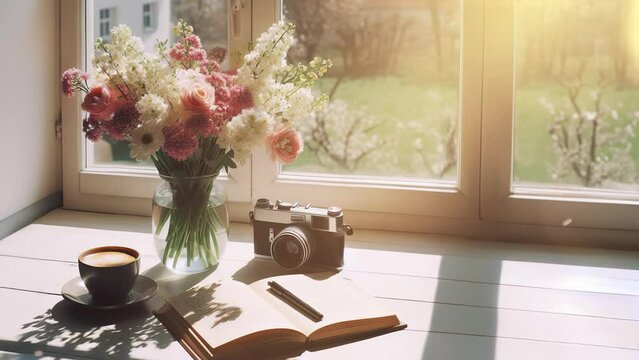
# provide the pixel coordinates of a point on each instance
(178, 108)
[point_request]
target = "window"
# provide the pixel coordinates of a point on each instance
(396, 127)
(489, 118)
(148, 18)
(394, 87)
(562, 145)
(107, 21)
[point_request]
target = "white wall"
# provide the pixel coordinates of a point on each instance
(30, 154)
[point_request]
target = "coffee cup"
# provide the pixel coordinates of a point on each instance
(109, 273)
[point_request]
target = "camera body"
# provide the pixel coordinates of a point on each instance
(295, 235)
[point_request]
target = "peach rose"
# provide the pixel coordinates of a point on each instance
(99, 102)
(198, 97)
(285, 144)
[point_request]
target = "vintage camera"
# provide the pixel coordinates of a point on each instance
(295, 235)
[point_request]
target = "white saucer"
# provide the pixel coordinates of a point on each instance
(75, 291)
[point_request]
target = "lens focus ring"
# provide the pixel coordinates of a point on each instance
(292, 247)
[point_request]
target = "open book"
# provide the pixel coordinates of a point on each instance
(230, 318)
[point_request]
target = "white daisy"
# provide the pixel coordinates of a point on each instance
(146, 140)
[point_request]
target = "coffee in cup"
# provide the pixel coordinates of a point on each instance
(109, 273)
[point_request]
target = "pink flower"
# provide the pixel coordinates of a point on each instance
(218, 54)
(93, 128)
(70, 79)
(196, 54)
(177, 52)
(285, 144)
(209, 66)
(229, 76)
(179, 143)
(216, 79)
(241, 98)
(218, 117)
(222, 94)
(188, 50)
(126, 119)
(197, 96)
(199, 124)
(99, 102)
(193, 41)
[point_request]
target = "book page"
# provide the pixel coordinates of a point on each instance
(346, 309)
(227, 310)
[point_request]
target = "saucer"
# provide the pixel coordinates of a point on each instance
(75, 291)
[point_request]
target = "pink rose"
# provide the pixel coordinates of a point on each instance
(198, 96)
(285, 144)
(99, 102)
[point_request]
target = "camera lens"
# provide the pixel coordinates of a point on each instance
(292, 247)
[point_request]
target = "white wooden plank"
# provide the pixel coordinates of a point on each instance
(412, 345)
(513, 324)
(37, 355)
(38, 322)
(500, 296)
(494, 271)
(50, 276)
(381, 285)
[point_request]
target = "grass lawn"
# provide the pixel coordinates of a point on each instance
(534, 154)
(408, 110)
(399, 100)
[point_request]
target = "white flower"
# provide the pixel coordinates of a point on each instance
(245, 131)
(146, 140)
(300, 104)
(152, 108)
(188, 77)
(267, 58)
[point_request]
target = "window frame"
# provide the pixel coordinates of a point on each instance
(502, 200)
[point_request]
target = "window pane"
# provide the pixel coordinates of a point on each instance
(208, 18)
(577, 93)
(394, 86)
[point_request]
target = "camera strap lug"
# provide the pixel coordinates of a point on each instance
(271, 236)
(251, 217)
(347, 229)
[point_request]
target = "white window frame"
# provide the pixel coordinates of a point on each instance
(502, 200)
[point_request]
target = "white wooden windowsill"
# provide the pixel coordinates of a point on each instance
(461, 299)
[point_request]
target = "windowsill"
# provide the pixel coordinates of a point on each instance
(392, 241)
(449, 290)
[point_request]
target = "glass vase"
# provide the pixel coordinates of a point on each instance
(190, 222)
